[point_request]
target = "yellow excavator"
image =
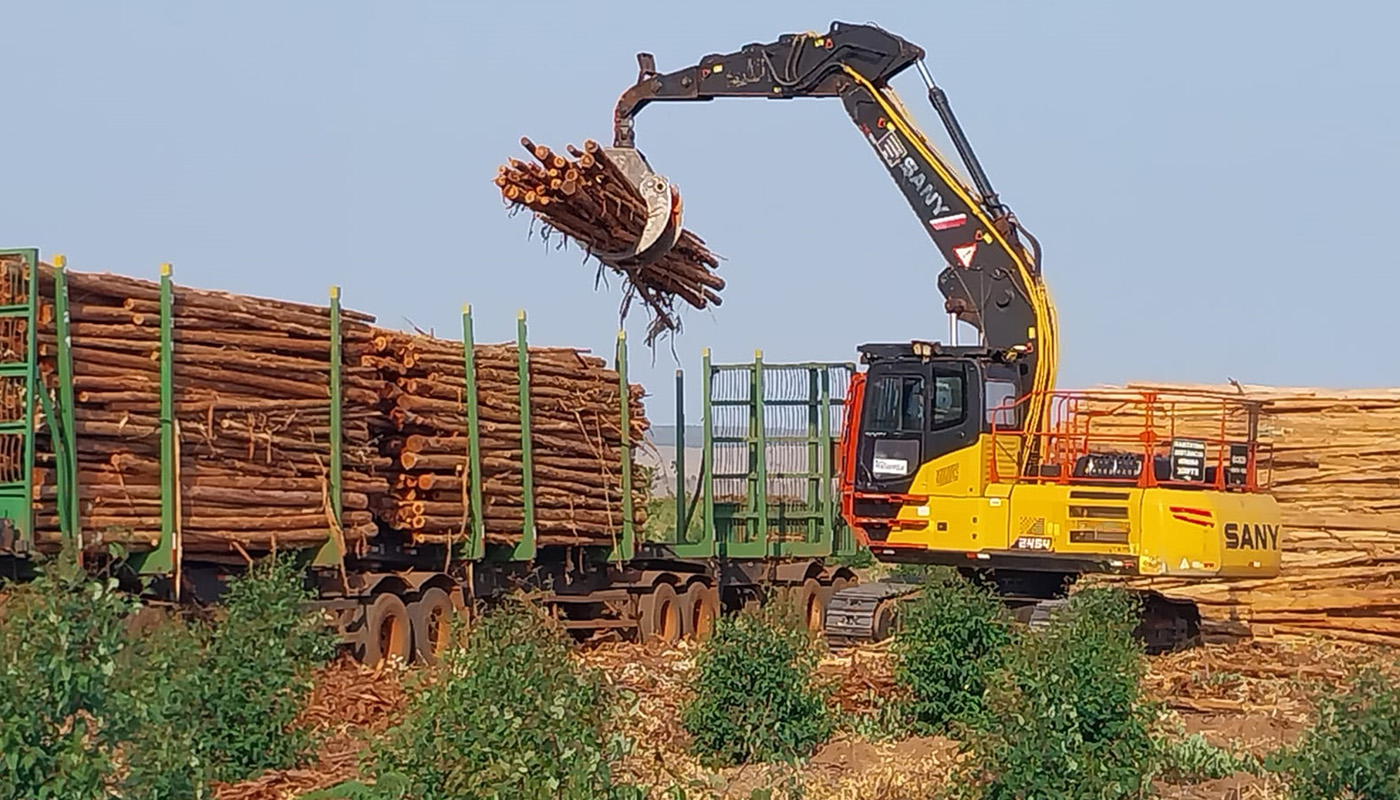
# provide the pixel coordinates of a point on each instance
(967, 455)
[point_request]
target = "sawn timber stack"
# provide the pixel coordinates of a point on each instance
(1335, 469)
(587, 198)
(575, 435)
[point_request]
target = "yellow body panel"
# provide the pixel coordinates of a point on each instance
(1164, 531)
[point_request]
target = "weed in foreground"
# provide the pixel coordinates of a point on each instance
(1353, 748)
(509, 714)
(952, 638)
(756, 695)
(1066, 716)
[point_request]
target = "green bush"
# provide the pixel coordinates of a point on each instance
(951, 639)
(1066, 718)
(256, 673)
(155, 688)
(1352, 750)
(756, 696)
(510, 715)
(61, 638)
(860, 558)
(90, 708)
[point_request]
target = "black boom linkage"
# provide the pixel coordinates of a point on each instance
(984, 283)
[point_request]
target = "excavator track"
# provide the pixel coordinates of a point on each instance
(865, 613)
(869, 613)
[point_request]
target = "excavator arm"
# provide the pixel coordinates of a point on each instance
(992, 280)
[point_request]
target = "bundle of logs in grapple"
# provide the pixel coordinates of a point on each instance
(251, 401)
(586, 197)
(575, 437)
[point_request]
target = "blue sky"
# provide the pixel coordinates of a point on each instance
(1213, 183)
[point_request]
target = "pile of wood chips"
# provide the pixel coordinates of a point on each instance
(588, 199)
(1335, 469)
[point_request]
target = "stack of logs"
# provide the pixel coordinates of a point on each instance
(588, 199)
(575, 415)
(251, 381)
(1335, 470)
(252, 414)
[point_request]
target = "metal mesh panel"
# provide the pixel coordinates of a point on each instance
(14, 281)
(14, 290)
(731, 420)
(790, 482)
(12, 391)
(11, 458)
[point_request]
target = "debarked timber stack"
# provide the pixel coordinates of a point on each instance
(575, 442)
(251, 402)
(1333, 460)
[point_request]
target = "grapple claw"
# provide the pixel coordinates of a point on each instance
(663, 202)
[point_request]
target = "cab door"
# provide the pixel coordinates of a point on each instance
(914, 412)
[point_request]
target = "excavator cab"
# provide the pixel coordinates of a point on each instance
(922, 401)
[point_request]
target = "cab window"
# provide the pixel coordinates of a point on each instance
(897, 403)
(949, 399)
(1001, 397)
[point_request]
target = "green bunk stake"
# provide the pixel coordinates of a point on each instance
(331, 553)
(827, 469)
(707, 457)
(161, 560)
(476, 544)
(525, 550)
(681, 517)
(61, 423)
(704, 544)
(761, 449)
(626, 549)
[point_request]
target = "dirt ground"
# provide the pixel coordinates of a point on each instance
(1250, 697)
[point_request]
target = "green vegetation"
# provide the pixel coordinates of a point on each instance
(1066, 717)
(661, 521)
(93, 704)
(1192, 759)
(509, 714)
(756, 695)
(1353, 748)
(952, 638)
(255, 673)
(60, 642)
(862, 558)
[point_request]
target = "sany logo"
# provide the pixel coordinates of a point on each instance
(1250, 537)
(897, 157)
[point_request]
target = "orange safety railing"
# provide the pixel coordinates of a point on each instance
(1177, 439)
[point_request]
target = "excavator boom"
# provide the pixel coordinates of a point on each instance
(991, 280)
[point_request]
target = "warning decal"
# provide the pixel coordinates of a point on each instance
(964, 253)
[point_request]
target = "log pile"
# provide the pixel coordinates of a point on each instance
(587, 198)
(252, 414)
(575, 415)
(1335, 469)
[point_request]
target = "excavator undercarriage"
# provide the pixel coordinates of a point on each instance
(870, 613)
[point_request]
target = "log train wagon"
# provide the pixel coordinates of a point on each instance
(176, 435)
